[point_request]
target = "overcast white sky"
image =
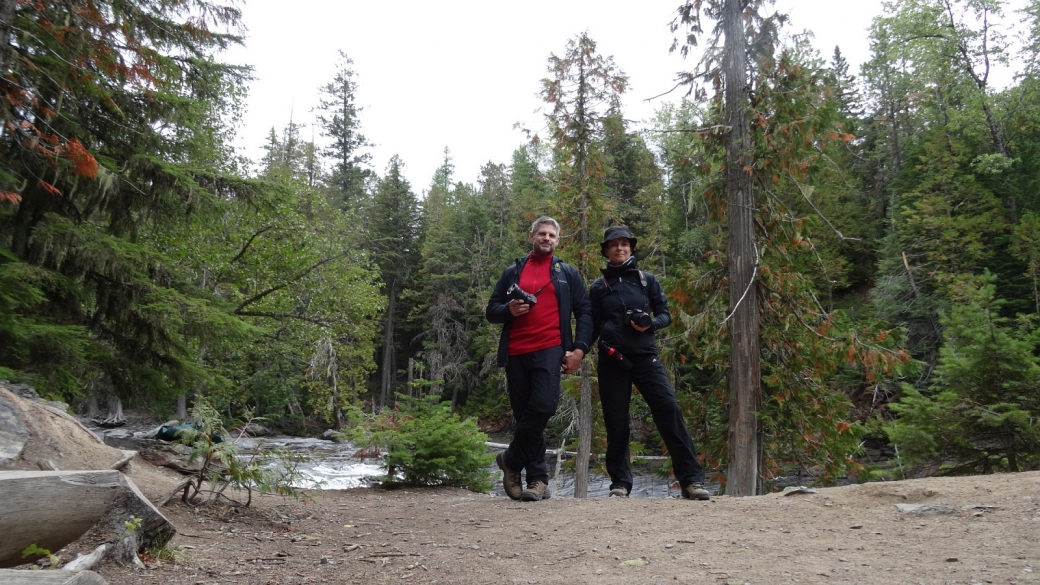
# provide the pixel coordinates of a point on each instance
(460, 73)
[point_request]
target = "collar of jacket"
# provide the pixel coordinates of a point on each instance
(554, 265)
(619, 269)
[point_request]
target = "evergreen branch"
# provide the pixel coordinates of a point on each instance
(276, 288)
(818, 212)
(316, 321)
(248, 243)
(718, 128)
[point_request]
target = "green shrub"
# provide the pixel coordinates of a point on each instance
(426, 444)
(267, 472)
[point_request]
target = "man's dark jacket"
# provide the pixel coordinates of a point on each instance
(618, 290)
(571, 296)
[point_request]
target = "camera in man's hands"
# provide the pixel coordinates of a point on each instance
(642, 319)
(514, 292)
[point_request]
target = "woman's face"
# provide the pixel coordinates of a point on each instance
(618, 250)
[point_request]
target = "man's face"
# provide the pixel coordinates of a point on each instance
(545, 239)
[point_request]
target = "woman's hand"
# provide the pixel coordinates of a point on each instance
(572, 361)
(638, 328)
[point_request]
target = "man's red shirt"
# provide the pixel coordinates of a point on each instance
(540, 328)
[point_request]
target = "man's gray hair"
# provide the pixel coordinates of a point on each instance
(545, 219)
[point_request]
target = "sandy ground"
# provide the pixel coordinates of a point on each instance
(967, 530)
(982, 529)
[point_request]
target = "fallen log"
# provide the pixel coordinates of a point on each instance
(50, 508)
(86, 562)
(11, 577)
(127, 456)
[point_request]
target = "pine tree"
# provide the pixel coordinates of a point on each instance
(584, 90)
(114, 123)
(980, 414)
(340, 122)
(394, 240)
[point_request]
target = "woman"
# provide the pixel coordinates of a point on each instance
(628, 305)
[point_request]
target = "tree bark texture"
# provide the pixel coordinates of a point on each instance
(387, 377)
(745, 367)
(581, 463)
(182, 406)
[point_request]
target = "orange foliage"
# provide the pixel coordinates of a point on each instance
(83, 163)
(49, 188)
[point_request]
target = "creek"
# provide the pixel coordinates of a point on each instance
(334, 466)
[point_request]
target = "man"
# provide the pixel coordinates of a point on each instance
(536, 344)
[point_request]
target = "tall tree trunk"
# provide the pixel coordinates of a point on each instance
(92, 406)
(581, 462)
(411, 375)
(744, 365)
(387, 377)
(182, 406)
(6, 19)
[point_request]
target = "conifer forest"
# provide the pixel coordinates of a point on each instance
(850, 257)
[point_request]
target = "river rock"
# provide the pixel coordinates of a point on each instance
(31, 430)
(332, 435)
(255, 430)
(13, 432)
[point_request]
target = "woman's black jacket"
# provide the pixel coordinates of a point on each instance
(571, 296)
(618, 290)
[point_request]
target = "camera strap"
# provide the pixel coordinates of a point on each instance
(642, 281)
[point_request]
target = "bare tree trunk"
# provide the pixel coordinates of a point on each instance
(182, 406)
(744, 366)
(92, 406)
(411, 375)
(388, 349)
(7, 10)
(581, 462)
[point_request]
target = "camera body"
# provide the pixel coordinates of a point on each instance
(514, 292)
(642, 319)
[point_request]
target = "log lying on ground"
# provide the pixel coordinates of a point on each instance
(11, 577)
(51, 508)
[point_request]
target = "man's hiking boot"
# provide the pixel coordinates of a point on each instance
(534, 492)
(695, 491)
(618, 492)
(511, 481)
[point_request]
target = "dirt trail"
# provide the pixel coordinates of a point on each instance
(983, 529)
(966, 530)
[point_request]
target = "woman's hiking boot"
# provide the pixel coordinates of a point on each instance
(695, 491)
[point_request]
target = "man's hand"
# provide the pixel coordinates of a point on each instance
(572, 361)
(517, 308)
